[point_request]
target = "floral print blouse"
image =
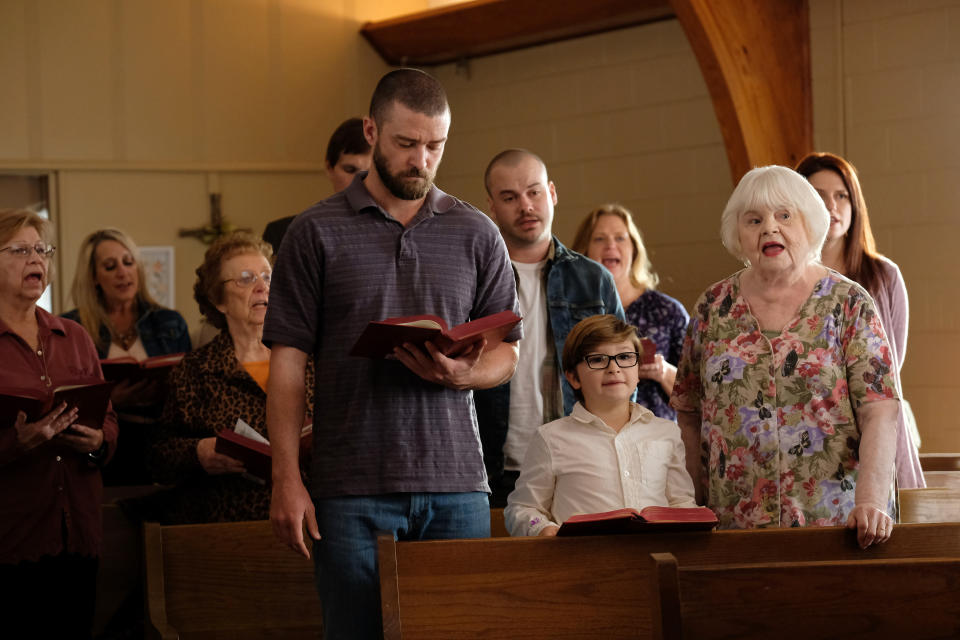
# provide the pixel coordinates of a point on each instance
(779, 438)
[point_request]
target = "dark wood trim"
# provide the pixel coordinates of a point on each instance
(668, 625)
(940, 461)
(485, 27)
(755, 58)
(156, 624)
(389, 586)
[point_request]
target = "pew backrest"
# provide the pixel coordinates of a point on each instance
(940, 461)
(891, 598)
(591, 586)
(933, 504)
(227, 580)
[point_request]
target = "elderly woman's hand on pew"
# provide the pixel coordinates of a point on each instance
(873, 525)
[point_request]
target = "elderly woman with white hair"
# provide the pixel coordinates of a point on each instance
(785, 394)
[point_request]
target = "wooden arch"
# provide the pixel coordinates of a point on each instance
(754, 55)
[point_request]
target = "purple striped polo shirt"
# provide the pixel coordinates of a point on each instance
(378, 428)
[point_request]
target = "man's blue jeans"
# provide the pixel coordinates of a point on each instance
(345, 557)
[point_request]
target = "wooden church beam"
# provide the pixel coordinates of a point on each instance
(755, 58)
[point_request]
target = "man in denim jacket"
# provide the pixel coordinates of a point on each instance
(557, 288)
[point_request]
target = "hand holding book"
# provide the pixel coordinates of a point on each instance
(379, 338)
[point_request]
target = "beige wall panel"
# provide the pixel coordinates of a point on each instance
(895, 199)
(927, 405)
(870, 100)
(379, 9)
(655, 40)
(940, 88)
(859, 47)
(251, 200)
(912, 39)
(312, 96)
(667, 79)
(77, 49)
(150, 206)
(928, 143)
(900, 86)
(158, 42)
(238, 82)
(14, 71)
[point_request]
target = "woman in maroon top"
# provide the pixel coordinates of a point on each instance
(50, 488)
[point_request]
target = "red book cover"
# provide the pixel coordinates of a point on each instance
(256, 456)
(155, 368)
(633, 521)
(379, 338)
(648, 349)
(90, 398)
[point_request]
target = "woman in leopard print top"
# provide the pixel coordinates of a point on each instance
(214, 387)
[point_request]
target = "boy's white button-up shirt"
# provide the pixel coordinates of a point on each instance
(578, 464)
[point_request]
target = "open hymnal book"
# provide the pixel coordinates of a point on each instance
(633, 521)
(132, 370)
(245, 444)
(379, 338)
(91, 399)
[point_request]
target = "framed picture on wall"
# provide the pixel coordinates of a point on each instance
(158, 266)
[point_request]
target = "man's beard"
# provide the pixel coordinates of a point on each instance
(396, 184)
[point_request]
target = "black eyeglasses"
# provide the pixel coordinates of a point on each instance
(624, 360)
(249, 278)
(24, 250)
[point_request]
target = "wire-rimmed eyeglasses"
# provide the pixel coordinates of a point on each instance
(249, 278)
(23, 250)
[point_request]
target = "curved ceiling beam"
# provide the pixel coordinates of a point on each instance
(755, 58)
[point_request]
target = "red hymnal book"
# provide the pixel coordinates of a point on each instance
(633, 521)
(379, 338)
(256, 456)
(648, 349)
(129, 369)
(90, 398)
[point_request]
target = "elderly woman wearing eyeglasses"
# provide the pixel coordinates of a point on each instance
(50, 485)
(215, 386)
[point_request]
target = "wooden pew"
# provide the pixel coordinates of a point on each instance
(498, 526)
(942, 478)
(941, 469)
(940, 461)
(912, 598)
(227, 580)
(933, 504)
(596, 586)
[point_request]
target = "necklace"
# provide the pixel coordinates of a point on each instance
(125, 340)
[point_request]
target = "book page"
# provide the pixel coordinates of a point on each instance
(244, 429)
(426, 324)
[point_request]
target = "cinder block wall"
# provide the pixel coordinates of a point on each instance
(626, 117)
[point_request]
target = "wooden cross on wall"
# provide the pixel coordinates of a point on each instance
(217, 227)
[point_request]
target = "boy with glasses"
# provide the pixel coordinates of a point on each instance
(609, 453)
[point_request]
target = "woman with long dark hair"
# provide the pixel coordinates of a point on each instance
(851, 250)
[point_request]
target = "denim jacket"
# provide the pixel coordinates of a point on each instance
(161, 330)
(577, 288)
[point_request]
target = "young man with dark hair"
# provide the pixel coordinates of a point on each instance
(348, 153)
(394, 445)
